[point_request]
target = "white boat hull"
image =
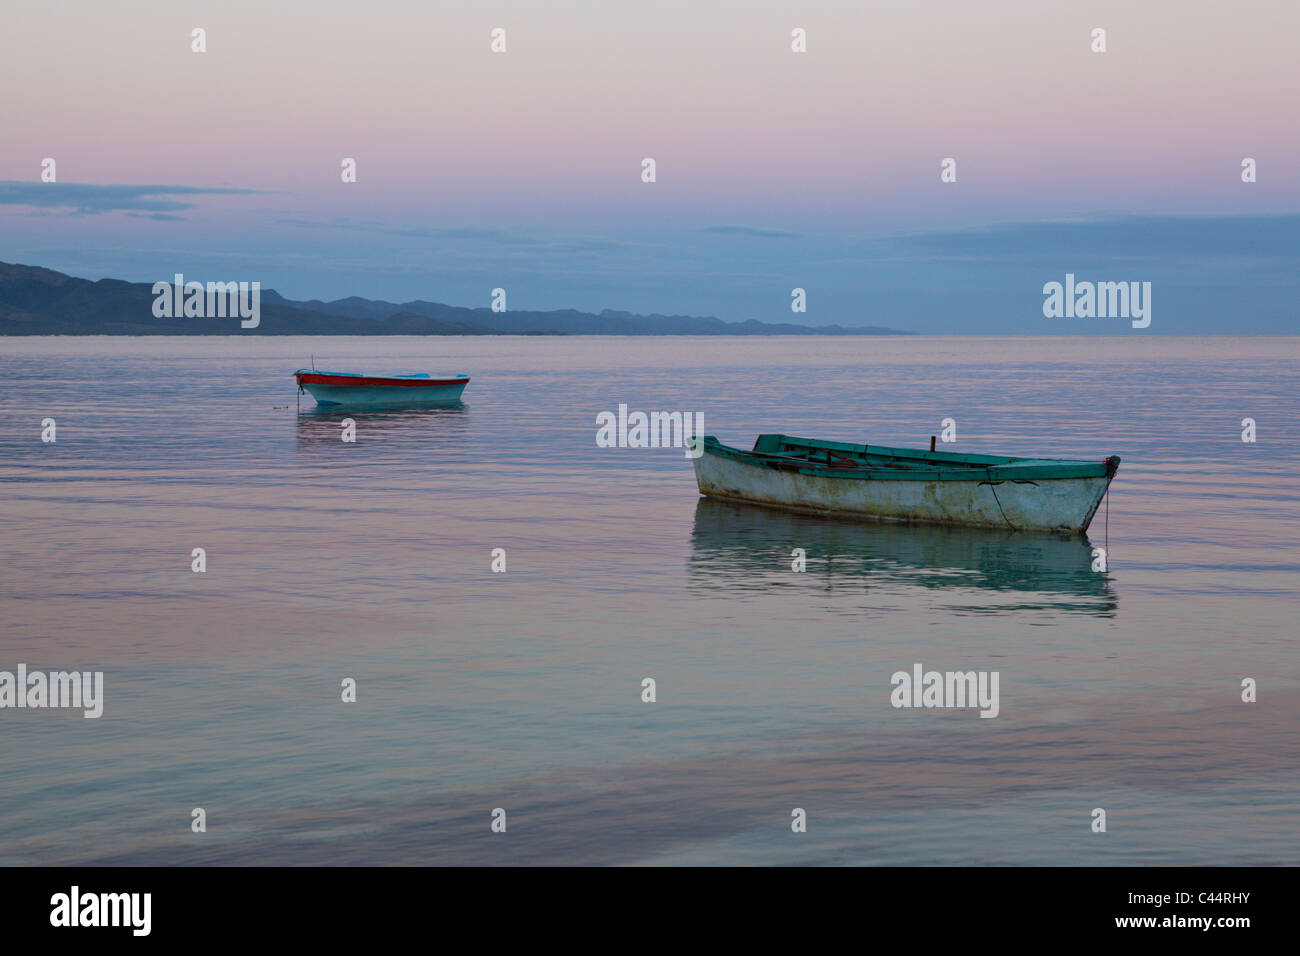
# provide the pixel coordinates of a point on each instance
(1052, 504)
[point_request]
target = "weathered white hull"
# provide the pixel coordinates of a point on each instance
(1043, 504)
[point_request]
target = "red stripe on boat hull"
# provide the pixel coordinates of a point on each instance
(345, 380)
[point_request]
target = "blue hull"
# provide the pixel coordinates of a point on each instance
(391, 395)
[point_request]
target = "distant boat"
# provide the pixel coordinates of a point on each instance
(901, 484)
(356, 389)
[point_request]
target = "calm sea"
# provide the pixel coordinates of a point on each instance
(522, 690)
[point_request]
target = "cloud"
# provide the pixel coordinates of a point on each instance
(755, 231)
(477, 233)
(498, 237)
(90, 199)
(1255, 236)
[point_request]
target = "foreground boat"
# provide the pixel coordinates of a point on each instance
(901, 484)
(355, 389)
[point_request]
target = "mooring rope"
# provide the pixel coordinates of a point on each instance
(993, 489)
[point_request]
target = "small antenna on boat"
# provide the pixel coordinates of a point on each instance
(313, 363)
(931, 443)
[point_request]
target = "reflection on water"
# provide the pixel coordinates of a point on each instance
(386, 429)
(748, 547)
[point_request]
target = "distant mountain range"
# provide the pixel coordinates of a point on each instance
(36, 301)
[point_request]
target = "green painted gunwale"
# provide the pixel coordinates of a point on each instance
(916, 464)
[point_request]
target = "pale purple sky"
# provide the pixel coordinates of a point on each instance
(522, 169)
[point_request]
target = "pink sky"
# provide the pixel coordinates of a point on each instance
(557, 126)
(538, 151)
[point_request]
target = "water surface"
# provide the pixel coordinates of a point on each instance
(522, 690)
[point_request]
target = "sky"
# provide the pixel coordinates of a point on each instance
(774, 169)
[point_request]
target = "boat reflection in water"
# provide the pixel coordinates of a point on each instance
(742, 547)
(383, 430)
